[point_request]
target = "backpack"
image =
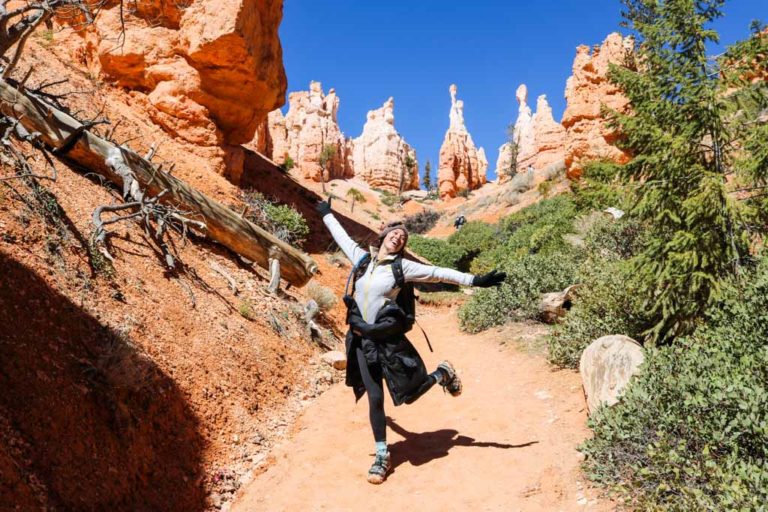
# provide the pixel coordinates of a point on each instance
(406, 297)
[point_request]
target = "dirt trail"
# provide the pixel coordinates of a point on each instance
(508, 443)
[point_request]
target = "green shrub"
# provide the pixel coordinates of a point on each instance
(388, 198)
(560, 209)
(521, 182)
(291, 226)
(287, 164)
(612, 239)
(545, 188)
(283, 221)
(474, 238)
(600, 187)
(246, 310)
(529, 246)
(691, 432)
(605, 303)
(421, 222)
(322, 295)
(528, 277)
(538, 228)
(439, 252)
(607, 300)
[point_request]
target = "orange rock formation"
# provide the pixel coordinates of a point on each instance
(540, 139)
(381, 156)
(587, 134)
(462, 166)
(206, 71)
(310, 125)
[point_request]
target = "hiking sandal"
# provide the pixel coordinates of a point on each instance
(381, 466)
(452, 382)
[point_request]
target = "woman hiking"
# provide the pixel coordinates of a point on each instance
(379, 316)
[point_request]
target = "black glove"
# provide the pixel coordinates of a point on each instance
(492, 278)
(323, 207)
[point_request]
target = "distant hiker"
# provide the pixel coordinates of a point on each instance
(380, 312)
(460, 221)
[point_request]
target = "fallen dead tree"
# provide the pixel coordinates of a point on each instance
(66, 137)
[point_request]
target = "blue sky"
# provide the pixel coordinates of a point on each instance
(413, 50)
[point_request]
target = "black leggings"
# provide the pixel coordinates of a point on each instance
(374, 387)
(373, 380)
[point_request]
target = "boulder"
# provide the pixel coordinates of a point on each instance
(462, 166)
(335, 358)
(193, 62)
(554, 306)
(606, 367)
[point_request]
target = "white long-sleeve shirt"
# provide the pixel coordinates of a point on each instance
(377, 285)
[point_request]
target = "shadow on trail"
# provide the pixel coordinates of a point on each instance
(420, 448)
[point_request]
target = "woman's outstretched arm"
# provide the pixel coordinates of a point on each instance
(419, 273)
(348, 246)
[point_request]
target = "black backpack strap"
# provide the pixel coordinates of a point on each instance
(397, 270)
(425, 336)
(355, 273)
(407, 294)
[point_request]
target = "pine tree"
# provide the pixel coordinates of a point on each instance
(744, 72)
(326, 157)
(513, 148)
(356, 196)
(427, 180)
(683, 155)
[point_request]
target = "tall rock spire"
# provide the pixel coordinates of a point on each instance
(462, 166)
(381, 156)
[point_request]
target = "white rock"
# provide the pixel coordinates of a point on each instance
(606, 367)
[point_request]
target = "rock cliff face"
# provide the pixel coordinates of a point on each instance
(540, 139)
(587, 134)
(462, 166)
(381, 156)
(310, 125)
(206, 71)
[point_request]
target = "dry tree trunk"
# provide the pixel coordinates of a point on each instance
(274, 269)
(65, 135)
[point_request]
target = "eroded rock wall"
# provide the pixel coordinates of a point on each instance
(462, 166)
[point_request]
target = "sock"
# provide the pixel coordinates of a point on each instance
(438, 375)
(381, 447)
